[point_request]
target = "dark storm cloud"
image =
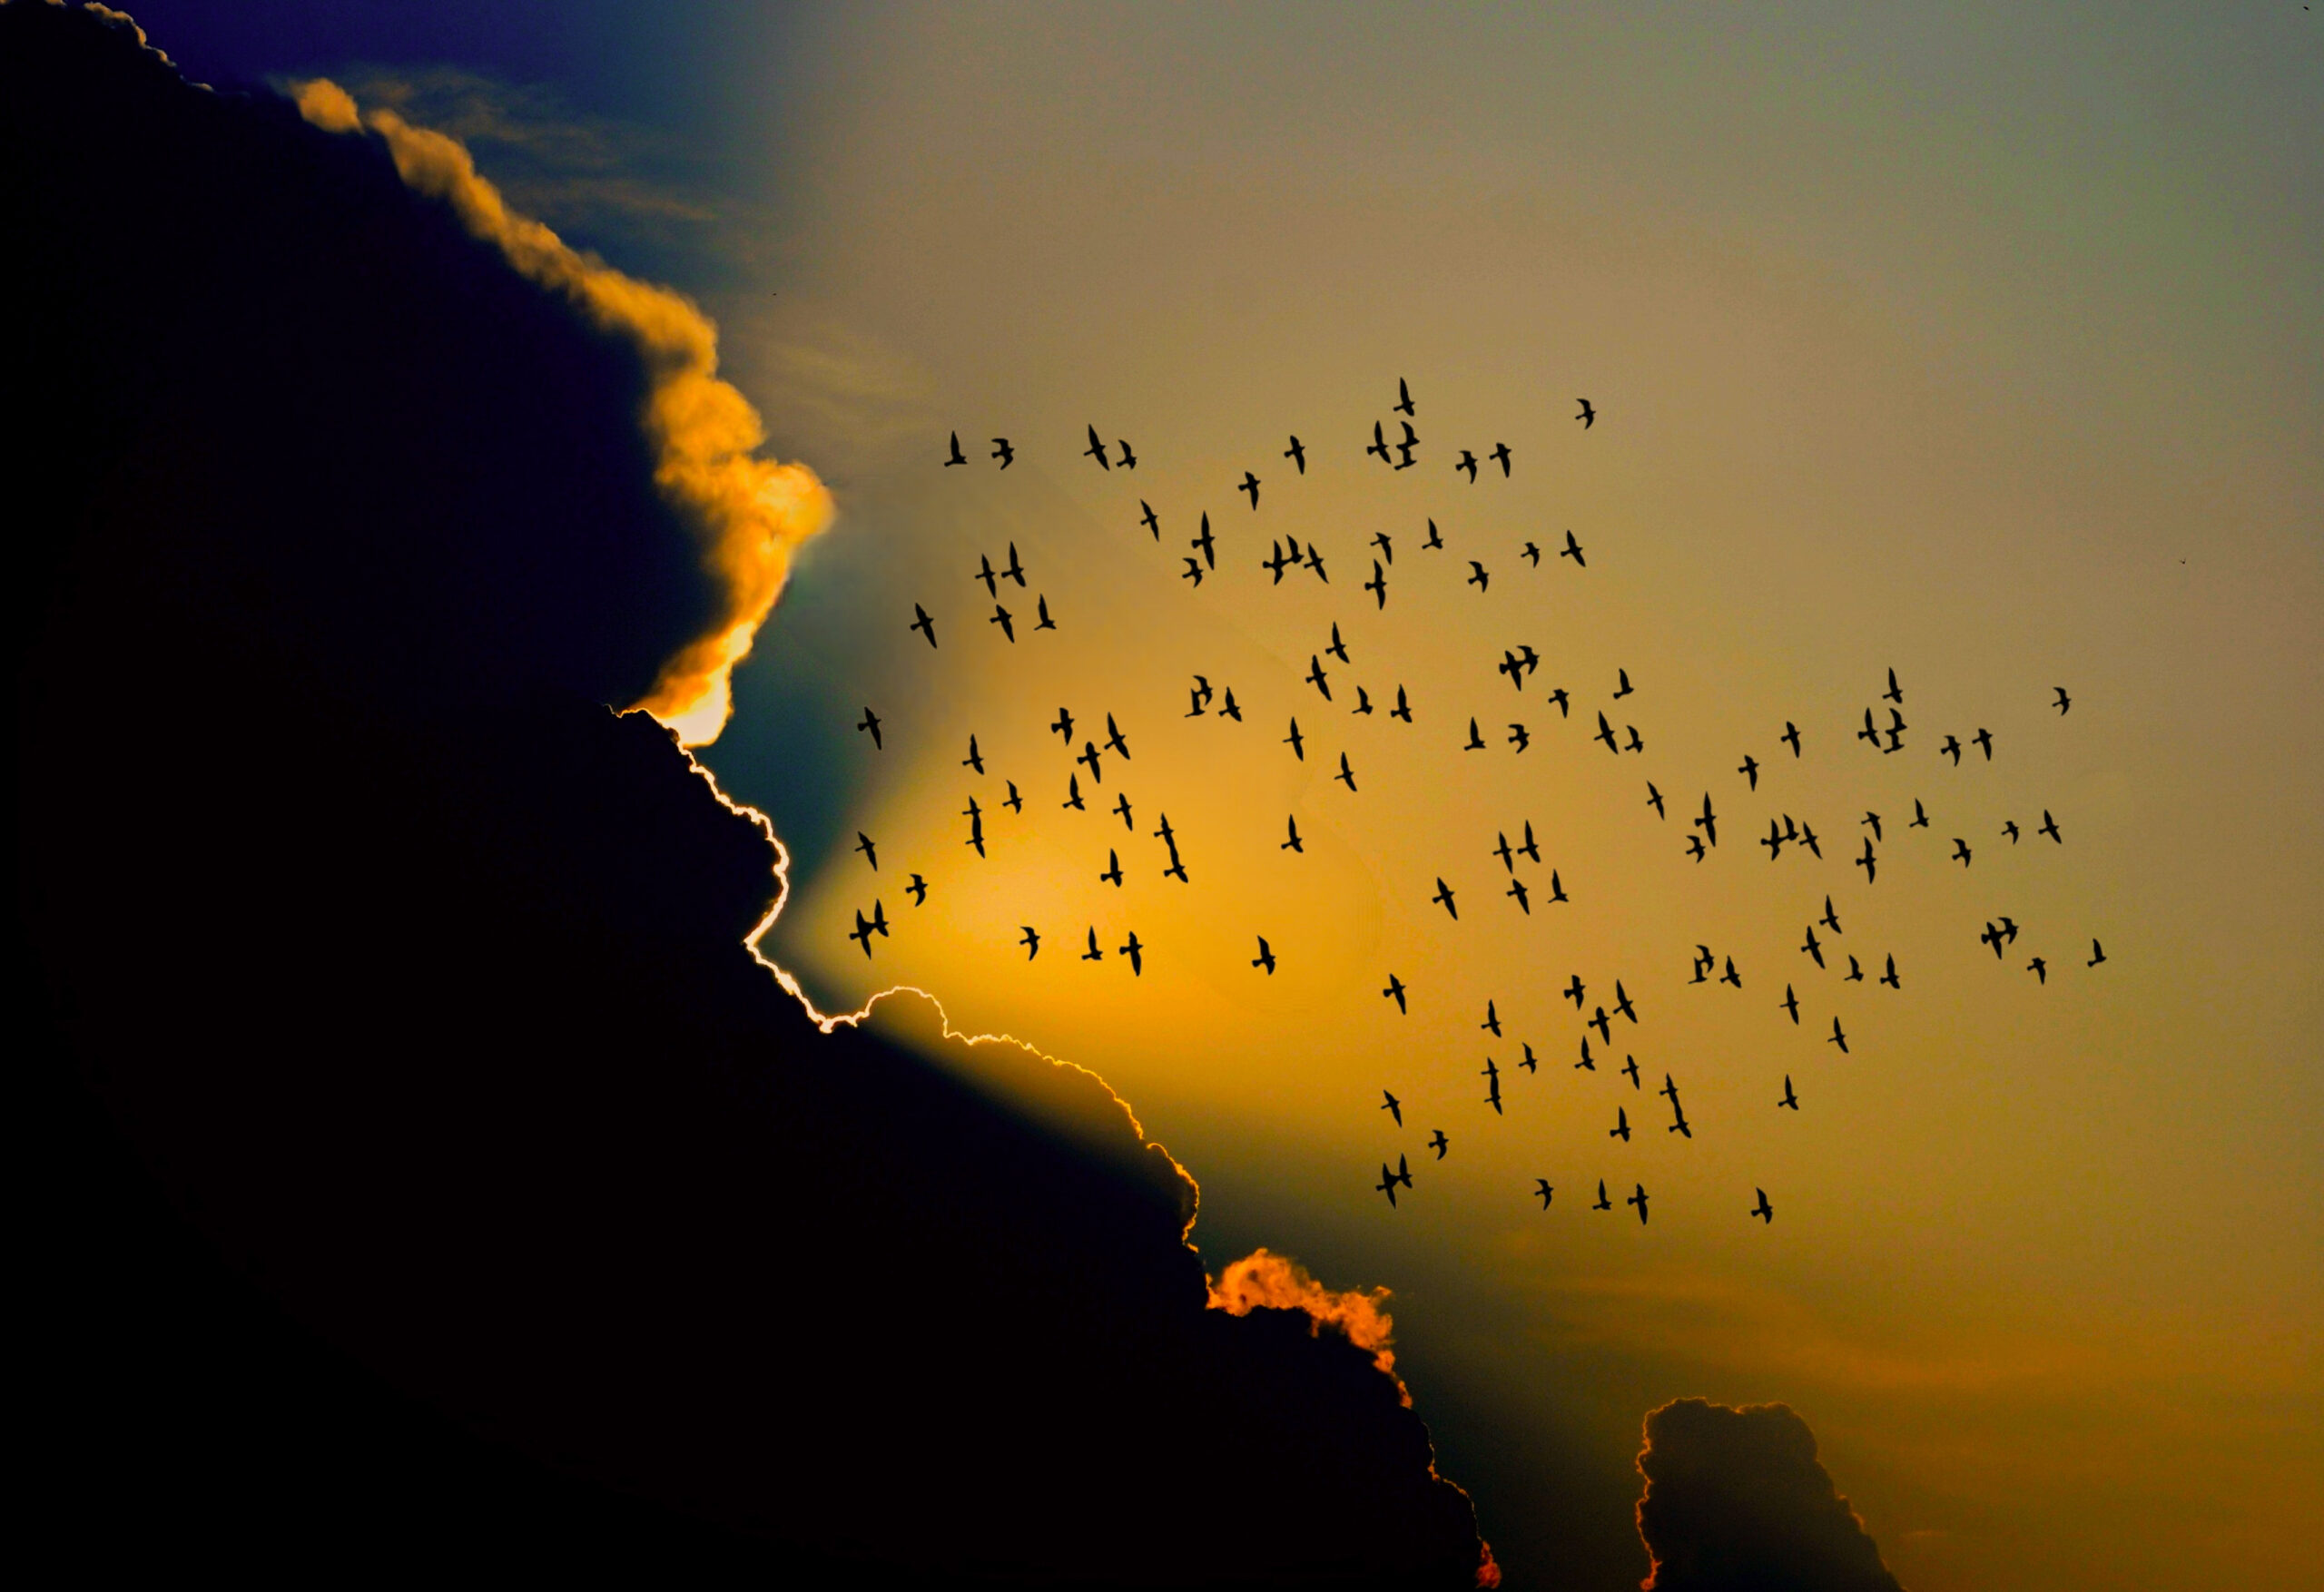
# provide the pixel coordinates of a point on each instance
(1736, 1498)
(415, 976)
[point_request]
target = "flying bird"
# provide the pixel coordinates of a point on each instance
(1015, 571)
(1346, 776)
(1516, 892)
(1064, 725)
(1316, 676)
(1379, 443)
(1467, 461)
(2097, 954)
(1624, 688)
(1046, 623)
(870, 852)
(1478, 577)
(1114, 741)
(1476, 741)
(1622, 1007)
(1920, 816)
(1868, 862)
(1404, 460)
(1338, 649)
(1378, 586)
(1096, 450)
(1093, 954)
(1396, 992)
(1695, 848)
(1634, 743)
(1226, 708)
(1589, 417)
(1073, 794)
(1871, 820)
(1814, 948)
(1838, 1038)
(1790, 1101)
(1392, 1107)
(975, 760)
(1439, 1143)
(1677, 1110)
(1894, 692)
(1985, 740)
(1556, 890)
(1750, 770)
(1031, 941)
(1363, 701)
(917, 889)
(1296, 742)
(1265, 959)
(923, 624)
(1709, 822)
(1541, 1187)
(1150, 520)
(2009, 827)
(1854, 973)
(1492, 1024)
(1403, 398)
(1315, 562)
(1588, 1061)
(1193, 572)
(1206, 545)
(1621, 1129)
(1297, 455)
(870, 720)
(1603, 1203)
(1443, 898)
(1960, 850)
(1113, 874)
(1387, 548)
(1001, 617)
(957, 459)
(1137, 955)
(1629, 1069)
(1953, 747)
(1519, 738)
(2064, 701)
(1606, 734)
(1501, 455)
(866, 927)
(1730, 976)
(1531, 554)
(1003, 452)
(1599, 1020)
(2037, 967)
(1090, 759)
(1128, 459)
(1638, 1199)
(2050, 828)
(1250, 483)
(1791, 736)
(1654, 800)
(1574, 991)
(1573, 550)
(1889, 978)
(1789, 1002)
(1764, 1211)
(1402, 710)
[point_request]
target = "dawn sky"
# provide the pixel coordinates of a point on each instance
(1984, 349)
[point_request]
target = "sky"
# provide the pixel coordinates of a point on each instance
(1983, 350)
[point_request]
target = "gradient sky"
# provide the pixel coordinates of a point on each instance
(1985, 350)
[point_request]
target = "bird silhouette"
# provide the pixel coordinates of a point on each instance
(1789, 1002)
(1073, 794)
(1137, 955)
(923, 624)
(1695, 848)
(1338, 649)
(1403, 398)
(1587, 1063)
(1985, 740)
(1730, 976)
(1678, 1111)
(2064, 701)
(2097, 954)
(1128, 460)
(1790, 1101)
(1404, 449)
(870, 720)
(1634, 743)
(1434, 539)
(1150, 519)
(1574, 991)
(1389, 1179)
(1960, 850)
(1003, 452)
(1750, 770)
(1764, 1211)
(1889, 978)
(918, 890)
(1854, 973)
(1392, 1107)
(2040, 969)
(1623, 688)
(1814, 948)
(1265, 959)
(1606, 734)
(1869, 864)
(1839, 1036)
(1402, 710)
(1093, 954)
(1207, 545)
(1920, 816)
(1090, 759)
(1654, 800)
(1316, 676)
(1588, 416)
(1378, 586)
(1046, 622)
(870, 852)
(1443, 898)
(1638, 1199)
(1015, 571)
(1478, 577)
(1439, 1143)
(1572, 550)
(1790, 736)
(1952, 747)
(1396, 992)
(1621, 1129)
(1622, 1007)
(1709, 822)
(1529, 1064)
(1557, 889)
(1346, 776)
(865, 928)
(1501, 455)
(1297, 455)
(1476, 741)
(1894, 692)
(2009, 827)
(1467, 461)
(975, 760)
(1629, 1069)
(1064, 725)
(1114, 741)
(1541, 1187)
(1599, 1020)
(1031, 941)
(1193, 572)
(1603, 1203)
(1250, 483)
(1226, 708)
(1363, 701)
(1379, 443)
(1519, 738)
(1531, 553)
(2050, 828)
(1113, 873)
(958, 458)
(1296, 742)
(1096, 450)
(1001, 617)
(1492, 1024)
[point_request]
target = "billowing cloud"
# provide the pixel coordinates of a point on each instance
(751, 513)
(342, 533)
(1738, 1498)
(1264, 1280)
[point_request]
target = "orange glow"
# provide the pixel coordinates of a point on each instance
(1264, 1280)
(750, 512)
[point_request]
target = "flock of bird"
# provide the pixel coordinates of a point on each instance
(1517, 664)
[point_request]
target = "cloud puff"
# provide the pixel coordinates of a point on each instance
(1736, 1498)
(751, 513)
(1263, 1279)
(417, 978)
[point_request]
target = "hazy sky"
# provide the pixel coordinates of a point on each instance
(1984, 349)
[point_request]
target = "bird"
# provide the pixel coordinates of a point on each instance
(1629, 1069)
(1654, 800)
(1541, 1187)
(1439, 1143)
(1813, 948)
(1003, 452)
(1296, 742)
(1096, 450)
(1403, 709)
(870, 720)
(1396, 992)
(1443, 898)
(1315, 562)
(1790, 1101)
(1387, 1184)
(1709, 822)
(1338, 649)
(870, 852)
(1854, 973)
(1265, 959)
(1128, 460)
(1467, 461)
(1015, 571)
(2064, 701)
(1476, 742)
(1869, 864)
(1316, 676)
(1031, 941)
(1529, 1064)
(1434, 540)
(1599, 1020)
(1501, 455)
(1624, 687)
(1621, 1129)
(1920, 816)
(1363, 701)
(1387, 546)
(1985, 740)
(917, 889)
(1775, 840)
(1378, 586)
(2037, 967)
(1250, 483)
(1588, 1061)
(1379, 443)
(1634, 743)
(1177, 869)
(1838, 1038)
(1113, 873)
(1807, 838)
(1530, 849)
(1492, 1024)
(1531, 554)
(1889, 978)
(1870, 731)
(1046, 622)
(1093, 954)
(1137, 955)
(1226, 708)
(923, 624)
(1503, 850)
(1588, 416)
(1493, 1085)
(1556, 890)
(1730, 976)
(1750, 770)
(1090, 760)
(1789, 1002)
(1073, 794)
(1403, 398)
(1478, 577)
(1894, 692)
(1193, 572)
(1574, 991)
(1671, 1091)
(2097, 954)
(1573, 550)
(1764, 1211)
(1205, 544)
(1114, 741)
(1519, 738)
(1622, 1007)
(1292, 844)
(1064, 725)
(1992, 936)
(1870, 820)
(2050, 828)
(1896, 732)
(1392, 1107)
(1695, 848)
(1509, 666)
(1638, 1199)
(1952, 746)
(2009, 827)
(1166, 834)
(1960, 850)
(975, 760)
(1404, 460)
(1603, 1203)
(1297, 455)
(957, 459)
(1150, 520)
(1002, 617)
(1606, 734)
(1791, 735)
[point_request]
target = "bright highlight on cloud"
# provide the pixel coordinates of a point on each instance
(750, 512)
(1263, 1279)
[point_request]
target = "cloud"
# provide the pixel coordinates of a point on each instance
(1736, 1498)
(417, 978)
(1263, 1280)
(751, 513)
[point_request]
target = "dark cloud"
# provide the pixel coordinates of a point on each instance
(1737, 1501)
(413, 977)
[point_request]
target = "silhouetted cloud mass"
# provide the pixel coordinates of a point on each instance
(1737, 1501)
(415, 976)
